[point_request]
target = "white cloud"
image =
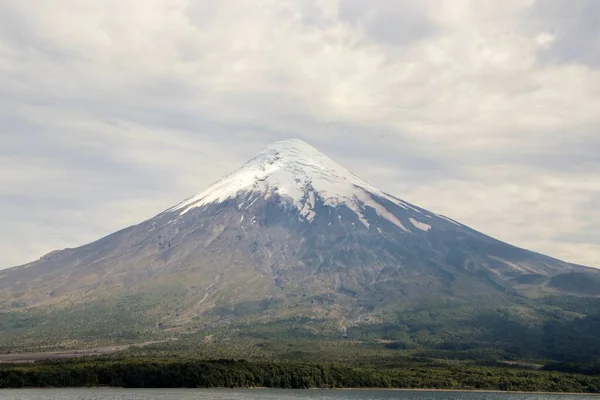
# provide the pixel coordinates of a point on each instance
(114, 111)
(544, 39)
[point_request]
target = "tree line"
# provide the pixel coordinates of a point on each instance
(240, 374)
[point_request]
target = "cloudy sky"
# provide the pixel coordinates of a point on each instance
(484, 111)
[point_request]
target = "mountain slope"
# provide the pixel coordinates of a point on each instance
(290, 234)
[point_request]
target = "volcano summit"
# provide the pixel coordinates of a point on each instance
(290, 234)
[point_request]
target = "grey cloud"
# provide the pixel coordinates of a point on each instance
(573, 150)
(18, 29)
(590, 230)
(575, 27)
(102, 139)
(394, 22)
(312, 14)
(202, 13)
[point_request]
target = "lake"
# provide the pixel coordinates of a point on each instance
(260, 394)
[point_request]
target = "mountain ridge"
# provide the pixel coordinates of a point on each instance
(290, 234)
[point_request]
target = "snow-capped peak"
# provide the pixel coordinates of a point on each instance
(297, 171)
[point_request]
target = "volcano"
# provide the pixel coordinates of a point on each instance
(289, 234)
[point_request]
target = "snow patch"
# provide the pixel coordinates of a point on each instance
(300, 174)
(307, 210)
(420, 225)
(449, 220)
(366, 200)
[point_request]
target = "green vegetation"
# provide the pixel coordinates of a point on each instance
(561, 329)
(228, 373)
(123, 319)
(583, 368)
(577, 282)
(547, 344)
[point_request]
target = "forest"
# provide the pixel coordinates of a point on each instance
(297, 375)
(453, 346)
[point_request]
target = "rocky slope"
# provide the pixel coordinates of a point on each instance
(291, 233)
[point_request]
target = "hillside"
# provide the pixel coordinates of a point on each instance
(294, 245)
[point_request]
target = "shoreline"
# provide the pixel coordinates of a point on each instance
(357, 389)
(473, 391)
